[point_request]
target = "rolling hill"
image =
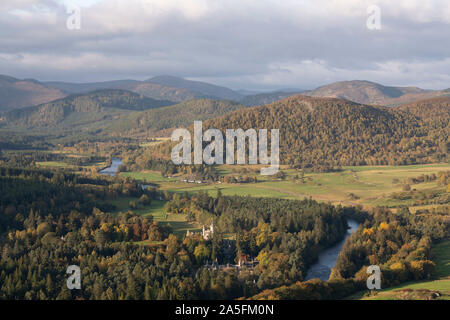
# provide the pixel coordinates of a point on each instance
(79, 88)
(183, 114)
(367, 92)
(78, 110)
(434, 109)
(113, 112)
(15, 93)
(266, 98)
(146, 88)
(160, 87)
(206, 89)
(158, 91)
(176, 89)
(329, 132)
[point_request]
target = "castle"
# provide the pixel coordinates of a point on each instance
(207, 234)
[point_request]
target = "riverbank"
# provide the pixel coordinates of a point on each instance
(328, 257)
(113, 167)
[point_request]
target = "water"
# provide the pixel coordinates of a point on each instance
(328, 257)
(113, 168)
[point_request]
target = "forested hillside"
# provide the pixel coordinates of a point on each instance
(266, 98)
(113, 113)
(328, 132)
(206, 89)
(431, 110)
(78, 109)
(183, 114)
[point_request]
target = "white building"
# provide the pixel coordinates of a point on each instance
(208, 234)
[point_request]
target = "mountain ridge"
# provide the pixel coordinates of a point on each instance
(367, 92)
(16, 93)
(205, 88)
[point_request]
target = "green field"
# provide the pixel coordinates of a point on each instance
(226, 189)
(64, 165)
(177, 222)
(418, 289)
(54, 164)
(370, 185)
(147, 176)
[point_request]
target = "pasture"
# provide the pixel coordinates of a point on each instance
(367, 186)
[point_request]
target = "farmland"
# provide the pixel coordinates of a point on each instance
(368, 186)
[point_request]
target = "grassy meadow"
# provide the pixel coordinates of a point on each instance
(177, 222)
(367, 186)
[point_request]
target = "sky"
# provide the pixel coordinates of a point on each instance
(241, 44)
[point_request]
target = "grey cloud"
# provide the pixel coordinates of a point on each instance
(257, 44)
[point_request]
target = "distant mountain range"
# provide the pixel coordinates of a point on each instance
(367, 92)
(176, 89)
(162, 87)
(16, 93)
(209, 90)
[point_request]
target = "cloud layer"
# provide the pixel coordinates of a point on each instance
(253, 44)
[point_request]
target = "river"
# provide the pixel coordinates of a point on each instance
(328, 257)
(113, 168)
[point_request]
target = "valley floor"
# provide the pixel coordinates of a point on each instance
(368, 186)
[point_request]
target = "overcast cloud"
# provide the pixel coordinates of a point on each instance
(251, 44)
